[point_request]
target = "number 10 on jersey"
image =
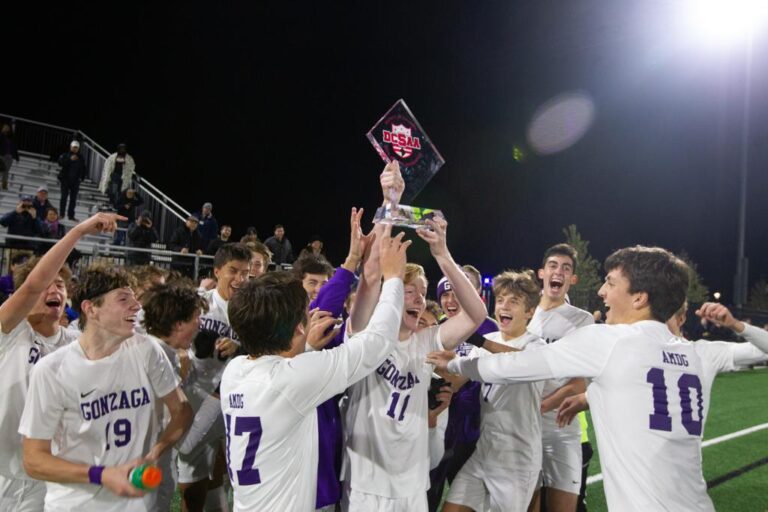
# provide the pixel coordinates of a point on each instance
(660, 419)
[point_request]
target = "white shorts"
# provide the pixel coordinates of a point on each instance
(21, 495)
(561, 462)
(355, 501)
(198, 464)
(482, 487)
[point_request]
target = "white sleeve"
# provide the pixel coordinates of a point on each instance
(437, 440)
(44, 406)
(159, 368)
(583, 353)
(756, 336)
(314, 377)
(208, 418)
(726, 356)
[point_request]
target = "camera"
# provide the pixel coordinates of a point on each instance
(435, 386)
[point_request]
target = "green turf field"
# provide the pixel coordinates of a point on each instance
(739, 401)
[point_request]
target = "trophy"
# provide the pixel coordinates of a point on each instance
(399, 136)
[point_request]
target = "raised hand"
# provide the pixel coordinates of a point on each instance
(99, 223)
(392, 183)
(435, 236)
(320, 332)
(392, 254)
(719, 315)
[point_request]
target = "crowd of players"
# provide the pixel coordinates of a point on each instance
(322, 390)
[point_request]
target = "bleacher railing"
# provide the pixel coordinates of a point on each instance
(52, 140)
(92, 249)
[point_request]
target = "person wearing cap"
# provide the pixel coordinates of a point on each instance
(73, 171)
(41, 202)
(117, 176)
(22, 221)
(208, 226)
(186, 240)
(141, 235)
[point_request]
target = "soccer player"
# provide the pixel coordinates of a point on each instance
(197, 480)
(554, 319)
(314, 272)
(172, 316)
(269, 397)
(89, 415)
(504, 469)
(650, 390)
(387, 454)
(30, 330)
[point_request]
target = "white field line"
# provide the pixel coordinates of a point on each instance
(717, 440)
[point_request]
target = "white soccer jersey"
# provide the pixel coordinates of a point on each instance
(649, 398)
(551, 325)
(208, 371)
(97, 412)
(20, 349)
(387, 447)
(269, 406)
(510, 429)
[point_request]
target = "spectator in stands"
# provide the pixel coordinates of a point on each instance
(127, 203)
(6, 282)
(141, 235)
(224, 233)
(51, 229)
(117, 176)
(260, 259)
(313, 248)
(186, 240)
(23, 222)
(41, 202)
(8, 152)
(279, 246)
(251, 235)
(208, 227)
(72, 173)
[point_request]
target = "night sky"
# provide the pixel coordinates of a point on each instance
(263, 109)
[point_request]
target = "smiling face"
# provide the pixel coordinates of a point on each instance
(450, 304)
(116, 313)
(557, 276)
(226, 232)
(618, 301)
(512, 314)
(51, 302)
(312, 284)
(279, 233)
(230, 276)
(51, 215)
(414, 303)
(427, 319)
(258, 265)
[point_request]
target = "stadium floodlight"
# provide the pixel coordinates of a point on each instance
(722, 22)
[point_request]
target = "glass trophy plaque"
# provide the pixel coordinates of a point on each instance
(399, 136)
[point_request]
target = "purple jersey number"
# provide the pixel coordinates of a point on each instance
(393, 406)
(122, 432)
(250, 425)
(660, 419)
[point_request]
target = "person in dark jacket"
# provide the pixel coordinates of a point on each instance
(186, 240)
(279, 246)
(72, 173)
(208, 225)
(126, 206)
(41, 202)
(22, 221)
(224, 234)
(141, 235)
(8, 153)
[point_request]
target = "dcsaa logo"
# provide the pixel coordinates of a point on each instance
(403, 143)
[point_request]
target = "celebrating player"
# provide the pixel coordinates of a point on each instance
(93, 403)
(387, 454)
(30, 330)
(269, 397)
(651, 461)
(504, 468)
